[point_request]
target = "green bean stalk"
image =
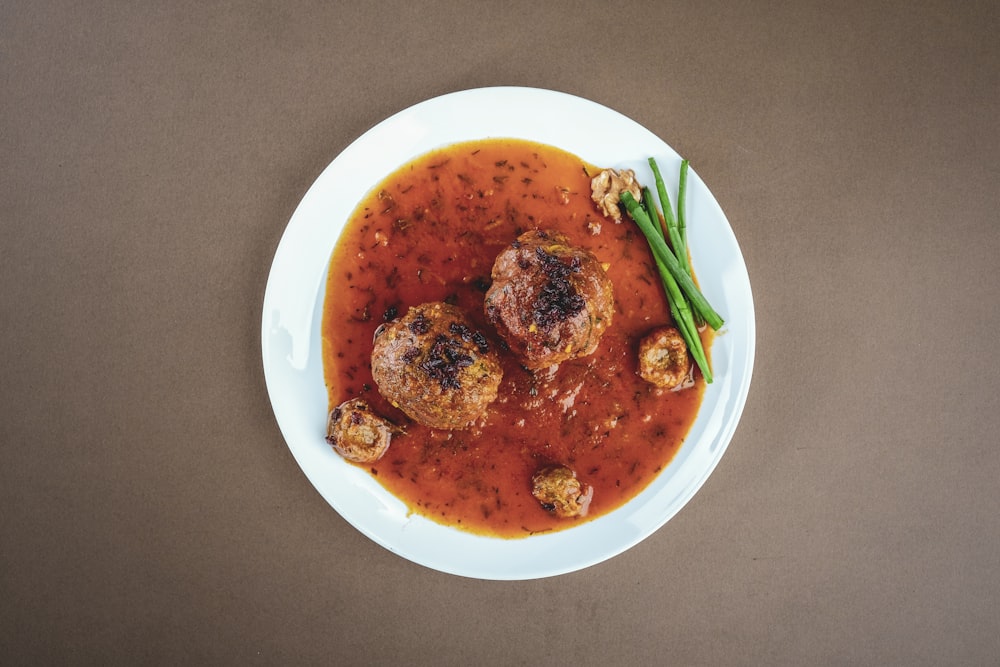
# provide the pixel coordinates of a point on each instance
(672, 225)
(682, 215)
(680, 246)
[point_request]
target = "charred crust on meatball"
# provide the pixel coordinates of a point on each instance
(420, 324)
(444, 362)
(557, 299)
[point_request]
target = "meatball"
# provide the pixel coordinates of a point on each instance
(549, 301)
(357, 433)
(435, 366)
(663, 358)
(560, 492)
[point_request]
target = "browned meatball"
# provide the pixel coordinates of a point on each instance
(560, 492)
(549, 301)
(357, 433)
(663, 358)
(435, 366)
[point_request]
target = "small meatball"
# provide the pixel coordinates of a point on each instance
(663, 358)
(435, 366)
(560, 492)
(607, 187)
(549, 301)
(357, 433)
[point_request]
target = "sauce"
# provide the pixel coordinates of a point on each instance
(430, 232)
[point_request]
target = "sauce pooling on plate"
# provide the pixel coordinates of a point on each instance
(430, 232)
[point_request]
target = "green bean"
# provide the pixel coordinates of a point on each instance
(660, 249)
(671, 223)
(682, 255)
(682, 215)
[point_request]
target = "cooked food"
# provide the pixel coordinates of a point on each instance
(431, 232)
(549, 301)
(435, 366)
(607, 187)
(663, 358)
(672, 261)
(357, 433)
(559, 491)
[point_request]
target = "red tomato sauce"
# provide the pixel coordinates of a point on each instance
(430, 232)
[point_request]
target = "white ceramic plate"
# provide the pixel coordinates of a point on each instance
(293, 304)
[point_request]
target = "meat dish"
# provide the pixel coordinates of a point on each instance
(530, 414)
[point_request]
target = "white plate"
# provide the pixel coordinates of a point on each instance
(293, 304)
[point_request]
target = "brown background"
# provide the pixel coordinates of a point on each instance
(150, 511)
